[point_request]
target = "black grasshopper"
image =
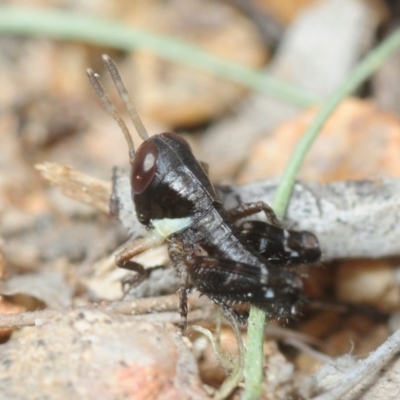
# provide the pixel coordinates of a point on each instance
(250, 262)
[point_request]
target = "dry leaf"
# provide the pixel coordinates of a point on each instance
(358, 141)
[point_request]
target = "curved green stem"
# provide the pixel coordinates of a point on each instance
(363, 71)
(65, 25)
(371, 62)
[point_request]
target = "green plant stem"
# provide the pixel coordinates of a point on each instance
(61, 24)
(254, 357)
(361, 73)
(254, 361)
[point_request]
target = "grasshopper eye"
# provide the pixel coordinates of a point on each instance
(144, 167)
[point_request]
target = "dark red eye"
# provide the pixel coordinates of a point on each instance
(144, 167)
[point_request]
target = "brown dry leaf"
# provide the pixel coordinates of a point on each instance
(31, 289)
(7, 307)
(359, 141)
(178, 95)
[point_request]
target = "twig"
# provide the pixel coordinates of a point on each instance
(137, 307)
(77, 186)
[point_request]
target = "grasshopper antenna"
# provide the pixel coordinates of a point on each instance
(116, 77)
(111, 109)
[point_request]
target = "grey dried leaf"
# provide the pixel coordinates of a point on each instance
(376, 377)
(350, 218)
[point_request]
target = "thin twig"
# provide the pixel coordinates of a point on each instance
(136, 307)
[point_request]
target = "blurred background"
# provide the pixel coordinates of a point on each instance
(303, 51)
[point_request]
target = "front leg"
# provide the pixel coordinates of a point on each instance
(131, 281)
(123, 260)
(248, 209)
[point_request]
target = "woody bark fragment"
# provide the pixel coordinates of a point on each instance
(77, 185)
(351, 219)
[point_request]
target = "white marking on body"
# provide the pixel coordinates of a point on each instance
(293, 253)
(167, 226)
(269, 294)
